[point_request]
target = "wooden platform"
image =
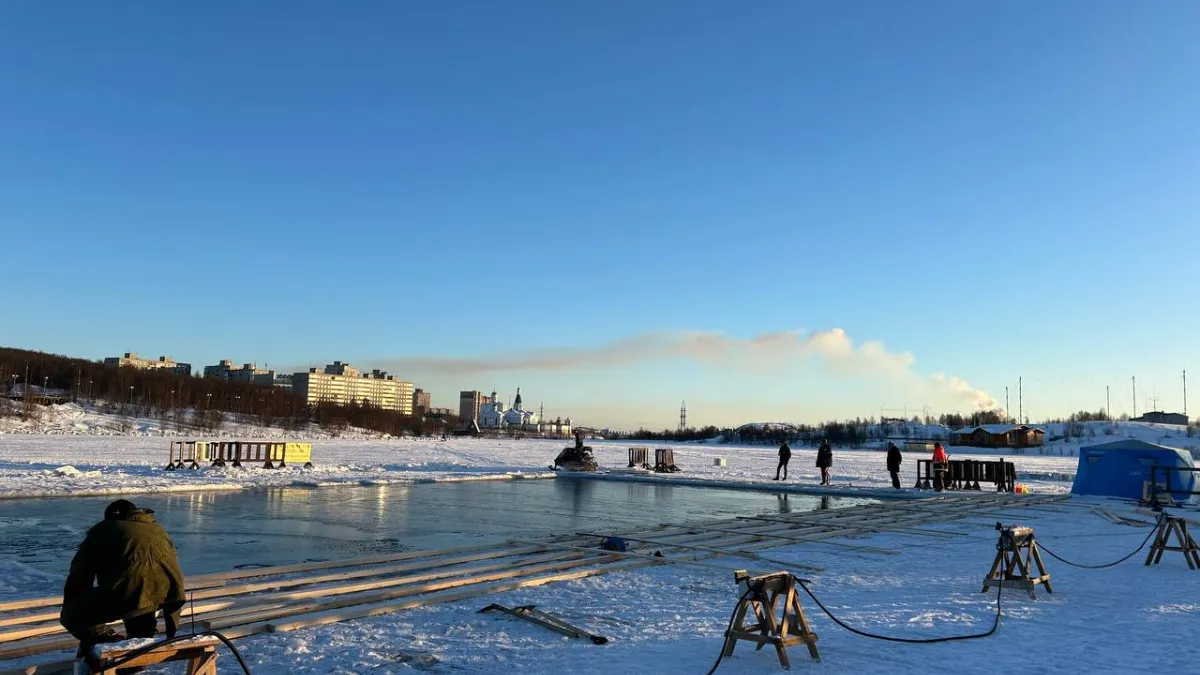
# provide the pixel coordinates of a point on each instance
(289, 597)
(200, 654)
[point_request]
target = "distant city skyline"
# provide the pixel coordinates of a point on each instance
(546, 378)
(782, 211)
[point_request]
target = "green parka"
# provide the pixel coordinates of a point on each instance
(133, 561)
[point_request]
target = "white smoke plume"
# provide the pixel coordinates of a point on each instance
(832, 348)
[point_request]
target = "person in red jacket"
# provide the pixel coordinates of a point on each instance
(940, 463)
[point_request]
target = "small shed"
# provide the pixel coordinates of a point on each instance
(1159, 417)
(998, 436)
(1122, 469)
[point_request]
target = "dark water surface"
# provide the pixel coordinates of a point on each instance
(217, 531)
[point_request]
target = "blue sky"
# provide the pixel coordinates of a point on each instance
(997, 189)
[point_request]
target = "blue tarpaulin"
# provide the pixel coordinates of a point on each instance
(1121, 468)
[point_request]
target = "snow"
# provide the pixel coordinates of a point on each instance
(48, 465)
(671, 618)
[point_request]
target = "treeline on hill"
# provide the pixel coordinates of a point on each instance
(187, 402)
(848, 432)
(838, 433)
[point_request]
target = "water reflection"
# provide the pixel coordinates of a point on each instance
(219, 530)
(579, 491)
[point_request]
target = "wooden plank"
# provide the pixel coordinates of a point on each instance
(322, 618)
(334, 564)
(804, 540)
(265, 601)
(29, 618)
(295, 610)
(653, 558)
(224, 591)
(725, 552)
(350, 589)
(881, 528)
(496, 552)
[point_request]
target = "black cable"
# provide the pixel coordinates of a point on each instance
(721, 655)
(803, 583)
(179, 638)
(1063, 560)
(912, 641)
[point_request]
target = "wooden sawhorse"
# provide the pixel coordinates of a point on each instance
(1167, 526)
(790, 629)
(200, 653)
(1016, 557)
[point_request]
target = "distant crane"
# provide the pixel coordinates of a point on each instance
(683, 416)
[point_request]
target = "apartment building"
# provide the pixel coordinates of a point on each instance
(341, 383)
(132, 360)
(469, 403)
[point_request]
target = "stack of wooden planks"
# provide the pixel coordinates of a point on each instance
(284, 598)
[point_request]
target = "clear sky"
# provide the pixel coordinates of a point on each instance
(618, 205)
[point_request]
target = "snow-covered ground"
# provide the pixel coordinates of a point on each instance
(48, 465)
(1129, 619)
(73, 449)
(86, 419)
(671, 619)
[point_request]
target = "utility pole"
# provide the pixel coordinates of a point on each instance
(1185, 393)
(1007, 414)
(1020, 402)
(1107, 404)
(1135, 396)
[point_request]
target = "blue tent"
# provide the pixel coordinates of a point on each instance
(1120, 468)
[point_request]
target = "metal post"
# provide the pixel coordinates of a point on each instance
(1020, 403)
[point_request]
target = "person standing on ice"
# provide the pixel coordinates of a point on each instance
(894, 458)
(940, 461)
(824, 461)
(126, 569)
(785, 455)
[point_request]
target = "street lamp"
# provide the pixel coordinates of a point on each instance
(131, 394)
(89, 389)
(208, 401)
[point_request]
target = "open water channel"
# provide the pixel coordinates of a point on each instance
(217, 531)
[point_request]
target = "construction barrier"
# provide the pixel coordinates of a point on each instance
(270, 454)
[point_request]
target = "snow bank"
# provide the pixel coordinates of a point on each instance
(48, 466)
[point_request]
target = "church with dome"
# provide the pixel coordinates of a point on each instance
(495, 414)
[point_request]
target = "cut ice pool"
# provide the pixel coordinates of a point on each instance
(217, 531)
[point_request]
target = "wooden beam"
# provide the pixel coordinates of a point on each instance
(881, 528)
(274, 600)
(294, 610)
(322, 618)
(732, 553)
(225, 591)
(801, 540)
(653, 558)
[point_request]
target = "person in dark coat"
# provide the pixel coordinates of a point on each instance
(824, 461)
(785, 455)
(127, 569)
(894, 458)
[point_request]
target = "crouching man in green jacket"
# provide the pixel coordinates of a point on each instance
(126, 568)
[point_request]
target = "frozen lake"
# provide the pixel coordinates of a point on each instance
(217, 531)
